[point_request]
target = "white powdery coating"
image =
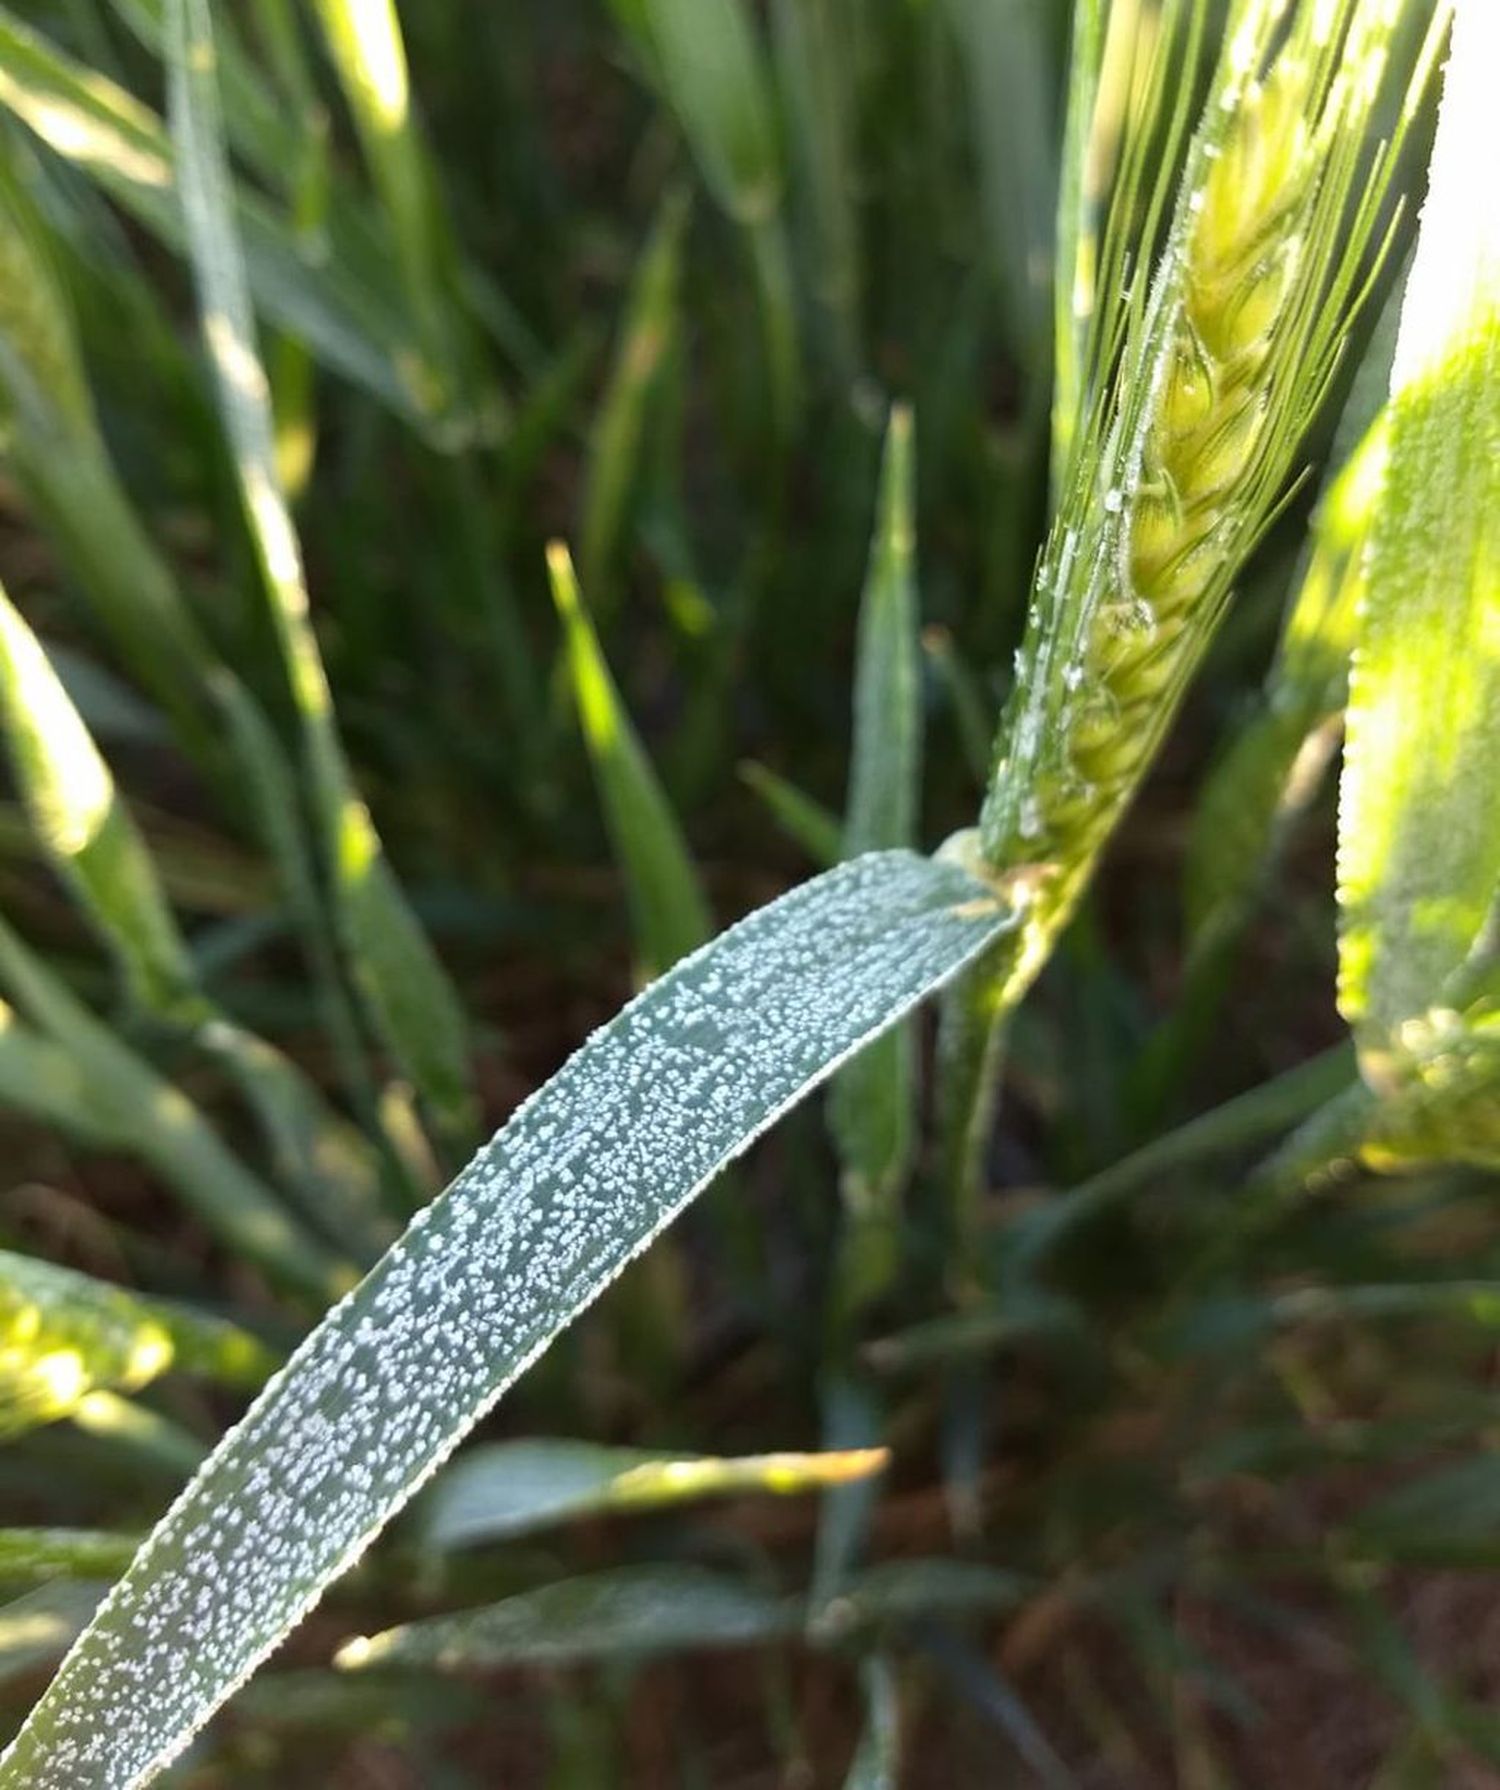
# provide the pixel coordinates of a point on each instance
(580, 1179)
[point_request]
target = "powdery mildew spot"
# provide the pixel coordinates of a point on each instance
(580, 1179)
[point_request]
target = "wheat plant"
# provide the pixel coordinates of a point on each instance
(305, 382)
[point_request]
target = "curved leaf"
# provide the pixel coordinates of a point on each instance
(581, 1179)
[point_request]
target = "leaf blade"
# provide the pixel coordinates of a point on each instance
(700, 1064)
(1419, 836)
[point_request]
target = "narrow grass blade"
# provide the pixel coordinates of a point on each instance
(641, 1611)
(667, 904)
(52, 440)
(872, 1104)
(1419, 835)
(82, 824)
(64, 1335)
(814, 63)
(644, 1116)
(818, 831)
(886, 759)
(46, 1081)
(395, 967)
(41, 1626)
(36, 1556)
(512, 1488)
(968, 703)
(645, 340)
(138, 1111)
(87, 120)
(632, 1612)
(93, 842)
(877, 1760)
(367, 49)
(713, 74)
(1005, 56)
(259, 127)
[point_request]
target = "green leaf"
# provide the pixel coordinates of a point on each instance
(45, 1554)
(1450, 1513)
(368, 52)
(512, 1488)
(95, 125)
(40, 1627)
(260, 128)
(581, 1179)
(667, 904)
(84, 827)
(1004, 51)
(714, 77)
(46, 1080)
(814, 59)
(818, 831)
(872, 1104)
(877, 1761)
(395, 966)
(712, 72)
(90, 837)
(631, 1612)
(1419, 832)
(638, 1611)
(63, 1335)
(130, 1106)
(646, 339)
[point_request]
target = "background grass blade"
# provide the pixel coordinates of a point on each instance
(632, 1612)
(63, 1335)
(45, 1079)
(815, 63)
(82, 824)
(1419, 856)
(580, 1180)
(395, 967)
(89, 121)
(94, 844)
(512, 1488)
(815, 828)
(667, 905)
(713, 73)
(36, 1556)
(367, 48)
(872, 1103)
(1005, 60)
(646, 339)
(139, 1111)
(877, 1761)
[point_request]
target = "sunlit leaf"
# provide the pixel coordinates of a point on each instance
(511, 1488)
(667, 904)
(406, 988)
(1419, 832)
